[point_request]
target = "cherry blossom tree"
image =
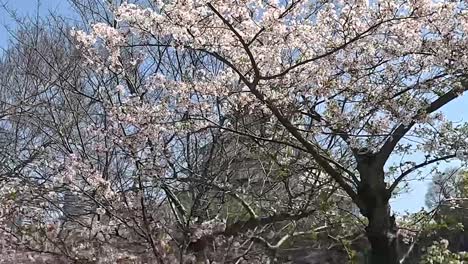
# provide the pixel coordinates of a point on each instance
(348, 84)
(91, 188)
(177, 131)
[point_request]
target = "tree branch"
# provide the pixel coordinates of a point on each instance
(241, 40)
(286, 237)
(245, 225)
(335, 174)
(427, 162)
(388, 147)
(247, 207)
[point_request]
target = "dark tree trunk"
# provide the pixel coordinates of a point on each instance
(373, 201)
(382, 235)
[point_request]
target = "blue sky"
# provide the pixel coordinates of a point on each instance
(411, 201)
(27, 7)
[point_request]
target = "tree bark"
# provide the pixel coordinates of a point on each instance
(382, 235)
(373, 201)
